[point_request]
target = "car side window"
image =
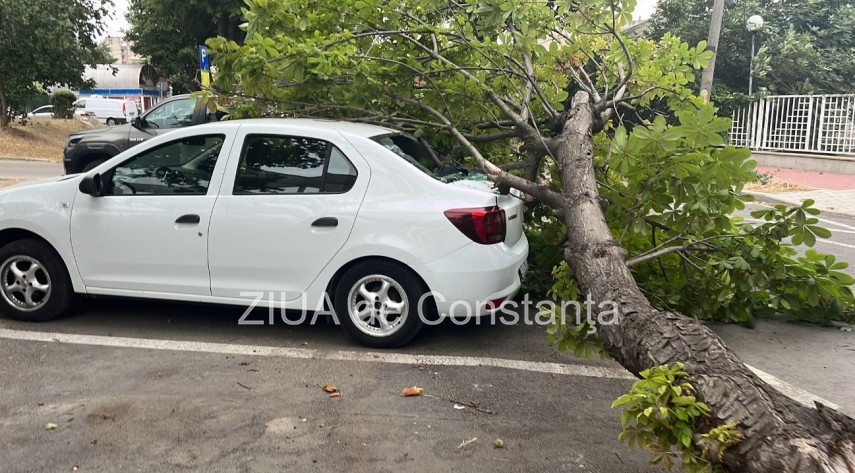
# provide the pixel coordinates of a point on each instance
(180, 167)
(271, 164)
(173, 114)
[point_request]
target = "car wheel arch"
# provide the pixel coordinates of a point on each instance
(91, 158)
(331, 286)
(11, 235)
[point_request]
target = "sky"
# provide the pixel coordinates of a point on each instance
(117, 23)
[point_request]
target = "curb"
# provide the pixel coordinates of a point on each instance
(38, 160)
(776, 199)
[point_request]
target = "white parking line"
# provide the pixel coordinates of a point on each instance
(797, 394)
(311, 354)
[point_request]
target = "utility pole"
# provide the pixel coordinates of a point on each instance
(712, 45)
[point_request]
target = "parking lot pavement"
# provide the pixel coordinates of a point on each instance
(142, 409)
(818, 359)
(151, 386)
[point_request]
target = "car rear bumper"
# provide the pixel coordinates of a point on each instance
(465, 282)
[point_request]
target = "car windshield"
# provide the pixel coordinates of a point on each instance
(419, 156)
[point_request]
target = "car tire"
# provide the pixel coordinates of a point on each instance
(361, 289)
(34, 282)
(111, 122)
(93, 164)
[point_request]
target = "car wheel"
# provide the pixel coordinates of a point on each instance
(34, 283)
(93, 164)
(377, 304)
(111, 122)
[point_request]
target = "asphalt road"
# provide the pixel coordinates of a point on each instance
(19, 168)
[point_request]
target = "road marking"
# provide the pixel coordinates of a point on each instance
(797, 394)
(833, 230)
(832, 222)
(829, 242)
(793, 392)
(312, 354)
(826, 241)
(821, 219)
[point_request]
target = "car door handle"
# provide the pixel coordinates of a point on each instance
(187, 219)
(325, 222)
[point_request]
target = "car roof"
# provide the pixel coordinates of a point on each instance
(360, 129)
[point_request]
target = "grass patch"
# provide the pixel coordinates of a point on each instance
(39, 139)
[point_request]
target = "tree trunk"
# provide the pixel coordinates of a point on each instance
(4, 108)
(780, 435)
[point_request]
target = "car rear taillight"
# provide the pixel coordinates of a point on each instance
(482, 225)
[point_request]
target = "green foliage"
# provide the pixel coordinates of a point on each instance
(63, 103)
(570, 331)
(805, 46)
(45, 43)
(669, 181)
(169, 33)
(662, 415)
(674, 184)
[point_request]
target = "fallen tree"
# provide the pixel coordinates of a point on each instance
(549, 98)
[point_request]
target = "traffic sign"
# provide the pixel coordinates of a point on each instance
(204, 62)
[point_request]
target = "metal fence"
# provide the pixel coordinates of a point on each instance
(806, 123)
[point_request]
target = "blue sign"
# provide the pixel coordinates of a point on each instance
(204, 62)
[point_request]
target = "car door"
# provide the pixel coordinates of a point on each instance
(148, 230)
(287, 205)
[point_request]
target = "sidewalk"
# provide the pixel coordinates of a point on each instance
(832, 192)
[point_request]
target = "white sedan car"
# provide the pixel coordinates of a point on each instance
(286, 214)
(42, 112)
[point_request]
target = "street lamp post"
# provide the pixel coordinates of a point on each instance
(753, 24)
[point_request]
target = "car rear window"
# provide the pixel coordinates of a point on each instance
(411, 150)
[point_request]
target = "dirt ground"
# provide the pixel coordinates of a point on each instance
(42, 139)
(775, 187)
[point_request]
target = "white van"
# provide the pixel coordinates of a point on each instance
(109, 111)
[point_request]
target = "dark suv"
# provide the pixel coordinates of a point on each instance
(86, 149)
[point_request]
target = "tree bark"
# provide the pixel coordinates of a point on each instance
(4, 108)
(780, 435)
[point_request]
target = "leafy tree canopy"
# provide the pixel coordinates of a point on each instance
(805, 47)
(46, 42)
(169, 32)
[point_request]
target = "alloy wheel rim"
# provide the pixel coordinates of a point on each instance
(24, 283)
(378, 305)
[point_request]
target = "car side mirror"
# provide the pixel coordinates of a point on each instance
(136, 123)
(91, 184)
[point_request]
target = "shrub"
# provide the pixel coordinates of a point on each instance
(63, 103)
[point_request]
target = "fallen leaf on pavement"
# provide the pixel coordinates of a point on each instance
(51, 426)
(329, 388)
(499, 443)
(243, 363)
(413, 391)
(336, 394)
